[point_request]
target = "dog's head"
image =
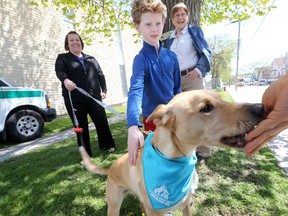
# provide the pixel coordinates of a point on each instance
(202, 117)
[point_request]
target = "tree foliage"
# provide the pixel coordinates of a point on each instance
(107, 16)
(255, 69)
(223, 51)
(91, 17)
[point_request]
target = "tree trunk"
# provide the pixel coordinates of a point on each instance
(194, 7)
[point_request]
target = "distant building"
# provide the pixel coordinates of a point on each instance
(249, 78)
(278, 68)
(266, 73)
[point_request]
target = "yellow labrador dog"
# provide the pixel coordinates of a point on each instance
(168, 157)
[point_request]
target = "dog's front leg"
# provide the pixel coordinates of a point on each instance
(187, 210)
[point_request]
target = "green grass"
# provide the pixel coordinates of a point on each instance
(50, 181)
(65, 123)
(225, 96)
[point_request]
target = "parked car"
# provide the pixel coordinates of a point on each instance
(269, 81)
(262, 82)
(240, 84)
(23, 112)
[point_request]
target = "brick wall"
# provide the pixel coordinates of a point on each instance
(32, 37)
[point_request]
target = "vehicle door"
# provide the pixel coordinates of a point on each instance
(2, 106)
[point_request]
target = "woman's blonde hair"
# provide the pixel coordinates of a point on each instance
(142, 6)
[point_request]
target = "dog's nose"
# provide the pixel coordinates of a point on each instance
(257, 109)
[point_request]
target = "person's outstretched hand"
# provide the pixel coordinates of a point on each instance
(135, 140)
(275, 101)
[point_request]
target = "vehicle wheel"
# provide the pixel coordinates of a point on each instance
(3, 135)
(25, 125)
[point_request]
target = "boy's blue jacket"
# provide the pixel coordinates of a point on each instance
(202, 47)
(155, 80)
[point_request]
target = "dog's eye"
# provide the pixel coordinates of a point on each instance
(207, 108)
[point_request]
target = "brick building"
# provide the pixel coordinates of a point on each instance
(32, 37)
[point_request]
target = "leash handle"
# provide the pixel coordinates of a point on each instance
(77, 129)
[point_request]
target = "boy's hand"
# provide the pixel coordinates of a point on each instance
(135, 140)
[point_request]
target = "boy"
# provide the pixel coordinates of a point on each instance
(156, 75)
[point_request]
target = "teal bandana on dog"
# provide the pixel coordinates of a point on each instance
(167, 180)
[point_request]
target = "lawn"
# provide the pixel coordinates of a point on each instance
(50, 181)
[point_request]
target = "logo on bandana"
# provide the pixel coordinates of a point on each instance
(161, 194)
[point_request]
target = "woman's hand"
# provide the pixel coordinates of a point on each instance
(69, 85)
(103, 95)
(275, 101)
(193, 74)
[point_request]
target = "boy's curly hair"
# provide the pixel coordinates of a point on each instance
(142, 6)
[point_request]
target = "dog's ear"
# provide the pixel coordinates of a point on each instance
(162, 116)
(157, 114)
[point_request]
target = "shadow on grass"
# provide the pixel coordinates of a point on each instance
(243, 184)
(50, 181)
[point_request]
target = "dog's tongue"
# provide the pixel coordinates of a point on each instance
(236, 141)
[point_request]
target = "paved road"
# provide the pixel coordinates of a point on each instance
(250, 94)
(279, 145)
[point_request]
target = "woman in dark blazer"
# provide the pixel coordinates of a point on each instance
(75, 68)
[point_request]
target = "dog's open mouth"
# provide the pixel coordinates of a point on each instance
(237, 141)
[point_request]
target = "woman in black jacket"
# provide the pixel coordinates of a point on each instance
(75, 68)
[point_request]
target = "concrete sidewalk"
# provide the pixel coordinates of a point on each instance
(23, 148)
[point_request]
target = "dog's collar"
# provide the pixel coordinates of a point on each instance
(176, 144)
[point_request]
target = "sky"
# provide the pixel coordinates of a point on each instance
(258, 44)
